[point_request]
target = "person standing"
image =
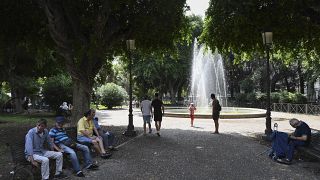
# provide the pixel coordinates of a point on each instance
(158, 111)
(36, 152)
(146, 110)
(215, 112)
(192, 108)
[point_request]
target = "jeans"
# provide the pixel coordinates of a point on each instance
(291, 146)
(108, 138)
(73, 156)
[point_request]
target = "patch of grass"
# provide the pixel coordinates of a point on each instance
(24, 118)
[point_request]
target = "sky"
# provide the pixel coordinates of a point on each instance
(198, 7)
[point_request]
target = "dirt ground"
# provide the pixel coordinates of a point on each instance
(11, 132)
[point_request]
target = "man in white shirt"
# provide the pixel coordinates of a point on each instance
(146, 110)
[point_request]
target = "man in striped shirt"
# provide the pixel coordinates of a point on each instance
(64, 144)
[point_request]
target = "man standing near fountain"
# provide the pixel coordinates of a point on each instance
(158, 111)
(216, 108)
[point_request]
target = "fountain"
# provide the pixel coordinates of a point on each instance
(208, 77)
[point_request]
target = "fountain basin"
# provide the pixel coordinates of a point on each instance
(226, 113)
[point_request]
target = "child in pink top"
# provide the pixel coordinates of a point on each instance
(192, 108)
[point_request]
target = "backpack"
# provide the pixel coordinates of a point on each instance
(218, 106)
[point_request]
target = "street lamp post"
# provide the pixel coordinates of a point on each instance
(267, 42)
(130, 129)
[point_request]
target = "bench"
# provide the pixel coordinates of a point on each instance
(313, 150)
(23, 169)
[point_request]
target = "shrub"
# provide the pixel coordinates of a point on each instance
(111, 95)
(3, 98)
(275, 97)
(57, 89)
(284, 97)
(299, 98)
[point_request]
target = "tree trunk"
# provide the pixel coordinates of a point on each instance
(301, 79)
(311, 95)
(81, 99)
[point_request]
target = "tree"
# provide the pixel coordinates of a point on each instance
(111, 95)
(87, 33)
(25, 52)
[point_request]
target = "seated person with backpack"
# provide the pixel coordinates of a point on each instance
(85, 129)
(300, 137)
(107, 136)
(62, 143)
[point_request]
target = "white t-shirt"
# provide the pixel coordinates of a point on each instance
(146, 107)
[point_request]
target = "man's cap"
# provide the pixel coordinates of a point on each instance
(95, 118)
(60, 119)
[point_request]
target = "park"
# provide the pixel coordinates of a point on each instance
(260, 59)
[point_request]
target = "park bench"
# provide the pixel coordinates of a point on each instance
(23, 169)
(313, 150)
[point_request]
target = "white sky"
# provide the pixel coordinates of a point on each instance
(198, 7)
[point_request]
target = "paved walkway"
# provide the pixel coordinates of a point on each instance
(242, 126)
(183, 152)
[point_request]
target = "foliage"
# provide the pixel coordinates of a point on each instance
(88, 33)
(237, 25)
(3, 98)
(57, 89)
(111, 95)
(247, 85)
(275, 97)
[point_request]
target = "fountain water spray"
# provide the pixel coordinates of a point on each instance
(208, 76)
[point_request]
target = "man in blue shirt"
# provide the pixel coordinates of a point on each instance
(64, 144)
(300, 137)
(36, 153)
(107, 136)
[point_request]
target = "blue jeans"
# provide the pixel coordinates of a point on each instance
(108, 138)
(291, 146)
(73, 156)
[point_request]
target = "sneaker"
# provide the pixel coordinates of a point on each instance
(150, 131)
(92, 167)
(60, 176)
(80, 174)
(158, 134)
(106, 155)
(284, 161)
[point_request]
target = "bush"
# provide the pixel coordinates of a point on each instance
(275, 97)
(111, 95)
(294, 98)
(299, 98)
(57, 89)
(3, 98)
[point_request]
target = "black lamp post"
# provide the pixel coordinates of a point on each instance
(130, 130)
(267, 42)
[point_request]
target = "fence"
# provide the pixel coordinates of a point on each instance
(296, 108)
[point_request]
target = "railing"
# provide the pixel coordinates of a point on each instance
(296, 108)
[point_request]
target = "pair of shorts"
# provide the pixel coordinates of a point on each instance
(215, 116)
(157, 117)
(84, 139)
(146, 118)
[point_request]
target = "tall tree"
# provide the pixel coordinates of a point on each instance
(87, 33)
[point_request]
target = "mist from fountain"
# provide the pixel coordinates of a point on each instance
(208, 76)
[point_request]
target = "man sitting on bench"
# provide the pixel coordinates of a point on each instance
(300, 137)
(85, 130)
(35, 151)
(64, 144)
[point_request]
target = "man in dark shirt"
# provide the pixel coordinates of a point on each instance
(300, 137)
(158, 111)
